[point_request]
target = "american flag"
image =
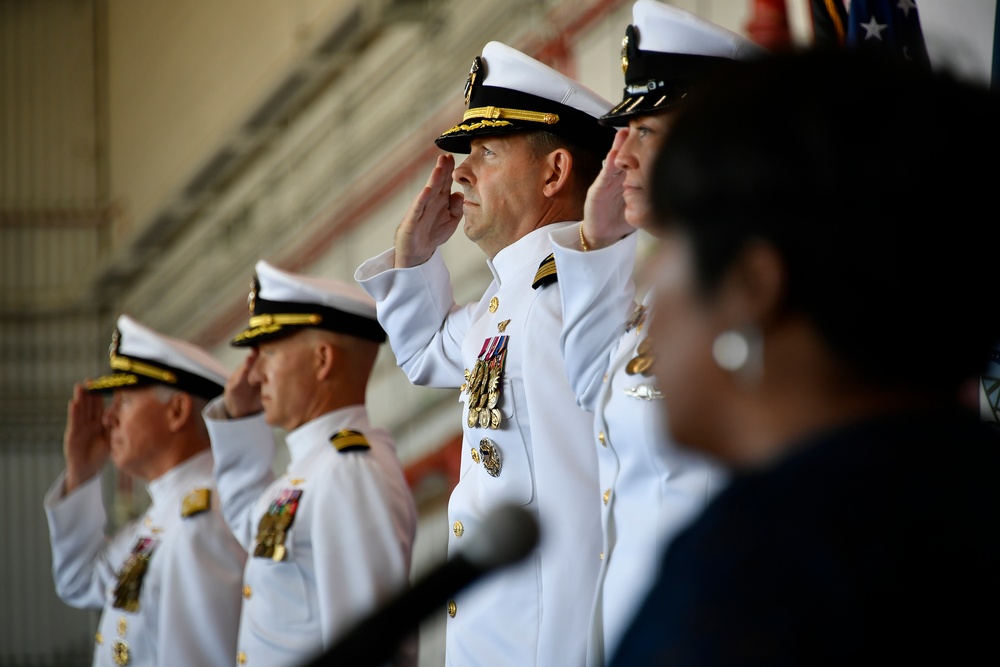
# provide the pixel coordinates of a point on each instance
(889, 26)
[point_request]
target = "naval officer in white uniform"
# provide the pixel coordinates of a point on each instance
(168, 583)
(534, 146)
(650, 486)
(331, 538)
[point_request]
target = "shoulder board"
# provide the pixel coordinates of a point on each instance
(546, 272)
(196, 502)
(350, 441)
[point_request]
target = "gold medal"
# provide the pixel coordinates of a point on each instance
(273, 527)
(131, 574)
(485, 385)
(639, 365)
(643, 361)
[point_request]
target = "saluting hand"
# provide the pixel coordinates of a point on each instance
(604, 209)
(432, 218)
(242, 398)
(86, 441)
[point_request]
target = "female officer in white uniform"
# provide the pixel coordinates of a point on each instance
(649, 486)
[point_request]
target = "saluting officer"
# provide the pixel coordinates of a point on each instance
(169, 582)
(534, 146)
(332, 537)
(650, 486)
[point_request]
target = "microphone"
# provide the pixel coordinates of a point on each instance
(508, 534)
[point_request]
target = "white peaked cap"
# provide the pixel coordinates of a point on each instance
(281, 302)
(669, 29)
(140, 356)
(665, 53)
(508, 91)
(507, 67)
(279, 285)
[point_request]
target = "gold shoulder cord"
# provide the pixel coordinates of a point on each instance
(288, 318)
(131, 366)
(511, 114)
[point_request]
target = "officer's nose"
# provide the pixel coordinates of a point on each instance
(463, 174)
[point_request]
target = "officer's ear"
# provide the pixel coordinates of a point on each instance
(179, 409)
(560, 166)
(327, 357)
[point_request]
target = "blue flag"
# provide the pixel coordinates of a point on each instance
(889, 26)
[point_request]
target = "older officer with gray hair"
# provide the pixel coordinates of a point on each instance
(534, 146)
(168, 583)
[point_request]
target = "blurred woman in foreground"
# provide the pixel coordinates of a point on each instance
(826, 290)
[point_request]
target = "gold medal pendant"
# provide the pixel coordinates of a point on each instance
(642, 362)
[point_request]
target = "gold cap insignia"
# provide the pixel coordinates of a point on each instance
(252, 296)
(625, 54)
(477, 64)
(116, 340)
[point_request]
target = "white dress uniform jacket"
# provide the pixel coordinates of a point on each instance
(189, 600)
(651, 487)
(349, 544)
(535, 612)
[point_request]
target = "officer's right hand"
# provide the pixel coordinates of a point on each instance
(432, 218)
(86, 441)
(604, 210)
(242, 398)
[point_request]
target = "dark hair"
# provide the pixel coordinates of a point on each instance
(586, 165)
(873, 181)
